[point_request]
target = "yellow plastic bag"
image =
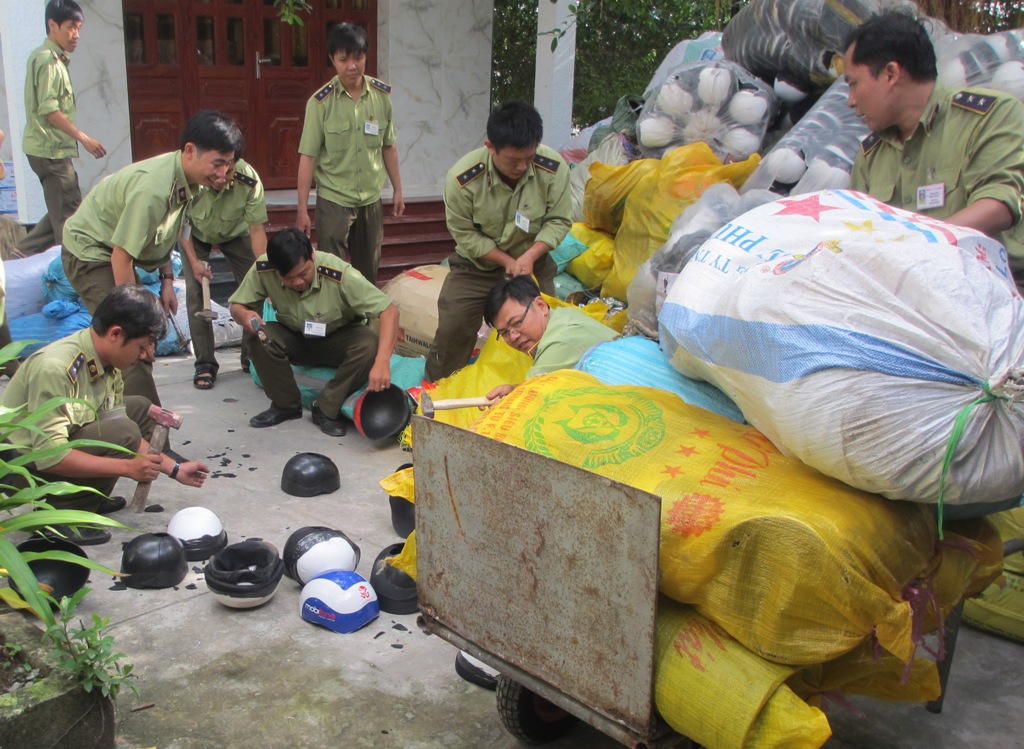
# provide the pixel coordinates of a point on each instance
(593, 265)
(999, 608)
(604, 198)
(653, 204)
(862, 672)
(713, 690)
(798, 567)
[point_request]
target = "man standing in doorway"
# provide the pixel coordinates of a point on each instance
(51, 136)
(347, 146)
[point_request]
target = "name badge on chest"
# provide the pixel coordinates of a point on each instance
(931, 196)
(522, 222)
(371, 128)
(314, 329)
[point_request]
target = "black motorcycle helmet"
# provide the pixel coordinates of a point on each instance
(382, 414)
(64, 578)
(244, 575)
(314, 549)
(309, 474)
(153, 560)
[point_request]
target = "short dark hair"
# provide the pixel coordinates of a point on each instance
(514, 124)
(519, 288)
(347, 38)
(287, 249)
(898, 37)
(136, 309)
(60, 11)
(210, 130)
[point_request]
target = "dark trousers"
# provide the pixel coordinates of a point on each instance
(62, 196)
(354, 234)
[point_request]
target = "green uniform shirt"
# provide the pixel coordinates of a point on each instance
(220, 215)
(481, 209)
(346, 137)
(139, 208)
(48, 90)
(569, 334)
(339, 294)
(68, 368)
(969, 141)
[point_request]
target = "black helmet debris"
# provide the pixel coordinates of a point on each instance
(309, 474)
(314, 549)
(244, 575)
(153, 560)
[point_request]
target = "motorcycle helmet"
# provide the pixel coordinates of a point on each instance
(396, 591)
(244, 575)
(383, 414)
(64, 578)
(153, 560)
(403, 512)
(200, 532)
(315, 549)
(309, 474)
(340, 600)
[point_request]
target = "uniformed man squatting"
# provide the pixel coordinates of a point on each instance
(507, 206)
(133, 217)
(952, 155)
(322, 304)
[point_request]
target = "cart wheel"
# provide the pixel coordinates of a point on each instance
(528, 716)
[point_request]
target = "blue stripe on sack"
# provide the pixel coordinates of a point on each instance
(781, 353)
(904, 222)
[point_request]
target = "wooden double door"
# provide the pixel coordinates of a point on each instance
(236, 56)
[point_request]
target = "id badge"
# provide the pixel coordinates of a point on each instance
(931, 196)
(371, 128)
(522, 222)
(314, 329)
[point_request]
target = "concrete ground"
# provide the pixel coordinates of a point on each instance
(220, 677)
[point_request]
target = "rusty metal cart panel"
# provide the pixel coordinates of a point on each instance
(544, 571)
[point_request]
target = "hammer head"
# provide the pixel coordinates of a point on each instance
(164, 417)
(426, 405)
(207, 314)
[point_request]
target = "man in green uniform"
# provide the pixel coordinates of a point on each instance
(322, 304)
(51, 136)
(87, 365)
(132, 218)
(347, 145)
(232, 218)
(953, 155)
(508, 205)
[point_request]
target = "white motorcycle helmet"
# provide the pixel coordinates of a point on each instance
(340, 600)
(200, 532)
(315, 549)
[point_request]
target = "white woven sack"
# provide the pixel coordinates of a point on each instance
(853, 335)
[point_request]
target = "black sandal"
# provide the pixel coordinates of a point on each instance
(204, 378)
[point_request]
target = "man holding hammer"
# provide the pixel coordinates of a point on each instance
(87, 365)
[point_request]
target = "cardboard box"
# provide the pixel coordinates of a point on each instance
(415, 293)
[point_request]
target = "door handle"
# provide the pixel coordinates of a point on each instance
(260, 61)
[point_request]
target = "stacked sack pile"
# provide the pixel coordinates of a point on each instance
(828, 407)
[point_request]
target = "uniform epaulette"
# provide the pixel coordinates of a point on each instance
(327, 272)
(94, 369)
(869, 143)
(75, 367)
(470, 174)
(381, 85)
(548, 165)
(324, 92)
(245, 179)
(262, 266)
(973, 101)
(177, 192)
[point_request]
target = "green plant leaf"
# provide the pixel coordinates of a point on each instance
(18, 571)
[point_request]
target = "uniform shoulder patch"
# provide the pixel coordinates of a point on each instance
(548, 165)
(262, 266)
(94, 369)
(868, 144)
(245, 179)
(75, 367)
(380, 85)
(327, 272)
(470, 174)
(973, 101)
(324, 92)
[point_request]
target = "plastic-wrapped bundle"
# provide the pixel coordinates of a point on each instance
(818, 152)
(792, 42)
(718, 103)
(719, 205)
(993, 61)
(56, 285)
(706, 47)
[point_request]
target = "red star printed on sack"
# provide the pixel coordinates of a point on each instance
(810, 206)
(687, 451)
(694, 514)
(702, 433)
(673, 471)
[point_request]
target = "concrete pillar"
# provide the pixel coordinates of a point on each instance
(555, 71)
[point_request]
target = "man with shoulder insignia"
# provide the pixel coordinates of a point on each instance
(233, 218)
(51, 135)
(953, 155)
(507, 206)
(132, 218)
(322, 305)
(347, 146)
(87, 365)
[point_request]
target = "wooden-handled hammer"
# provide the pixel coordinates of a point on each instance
(206, 313)
(165, 421)
(428, 406)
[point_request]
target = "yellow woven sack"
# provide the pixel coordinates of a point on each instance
(593, 265)
(798, 567)
(999, 608)
(713, 690)
(863, 672)
(604, 197)
(657, 199)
